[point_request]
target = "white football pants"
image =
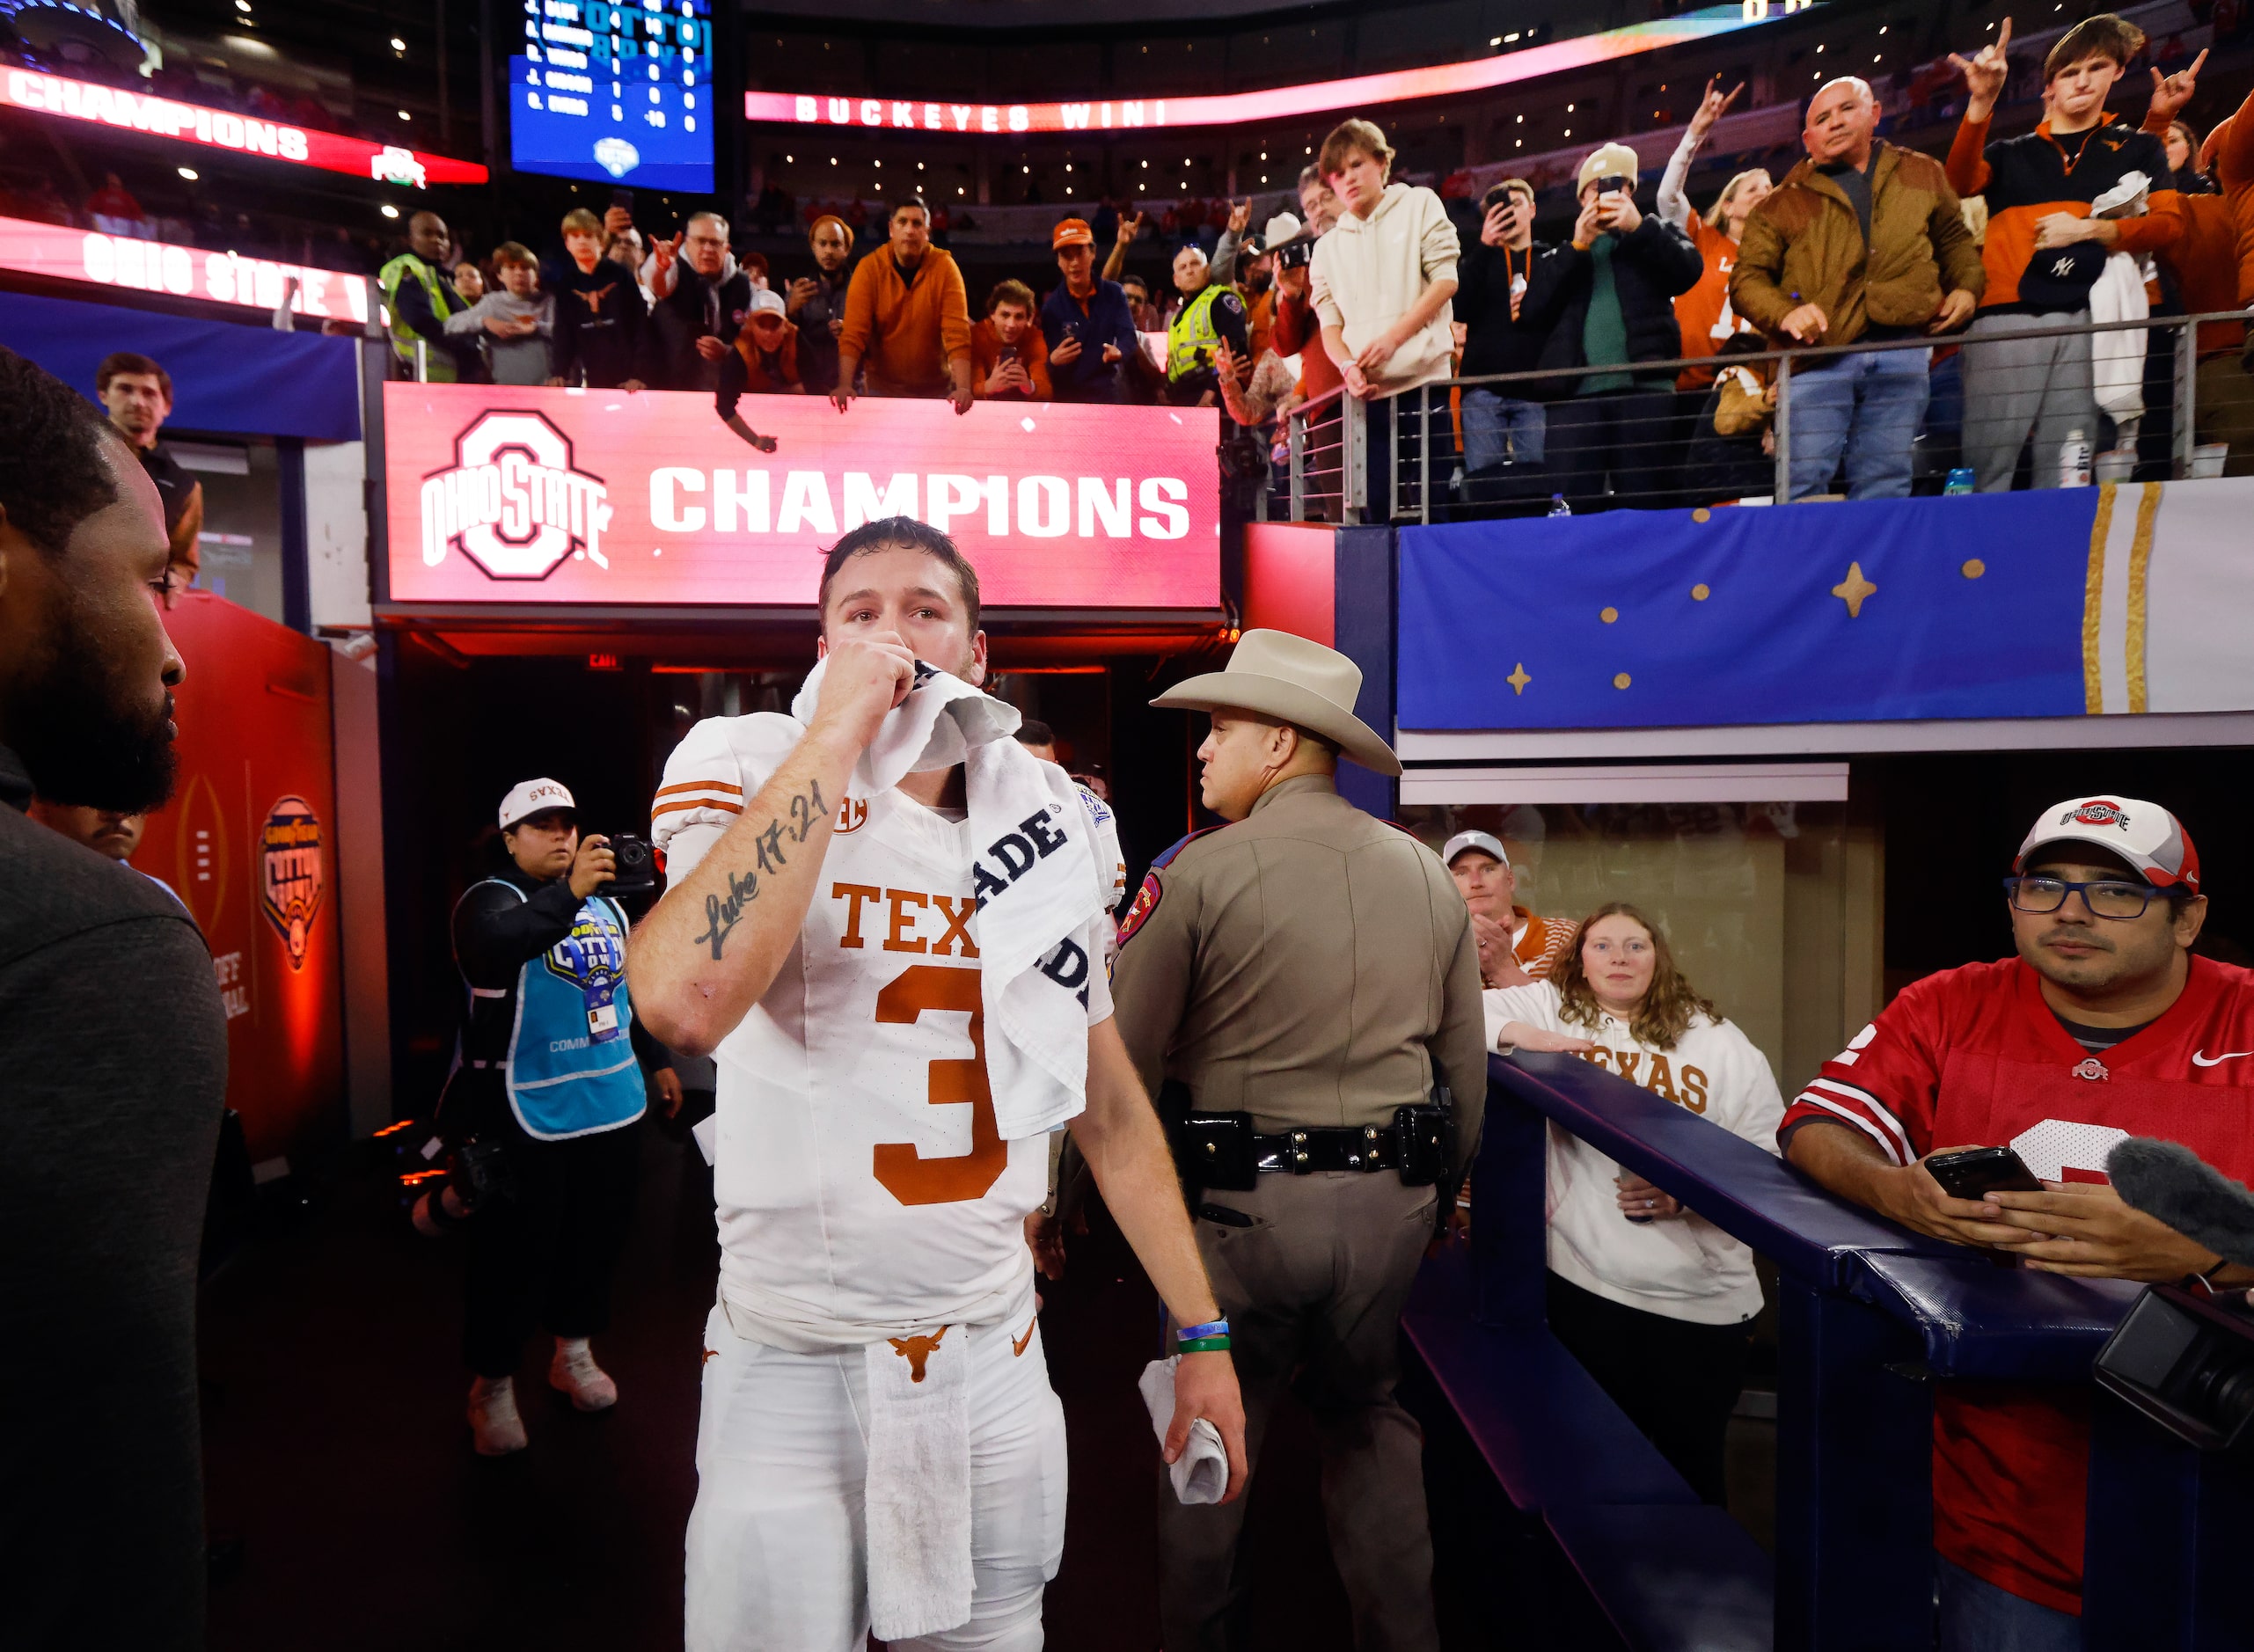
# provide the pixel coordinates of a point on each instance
(777, 1556)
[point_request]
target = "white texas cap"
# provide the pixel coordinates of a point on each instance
(1485, 842)
(528, 798)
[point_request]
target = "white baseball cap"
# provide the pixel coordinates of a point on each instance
(1483, 841)
(528, 798)
(2143, 834)
(767, 299)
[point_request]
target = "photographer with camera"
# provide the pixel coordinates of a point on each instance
(543, 1105)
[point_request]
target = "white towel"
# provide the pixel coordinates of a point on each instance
(1038, 880)
(918, 1494)
(1201, 1473)
(2117, 359)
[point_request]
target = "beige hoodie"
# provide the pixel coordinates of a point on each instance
(1368, 272)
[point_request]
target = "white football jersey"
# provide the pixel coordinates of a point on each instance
(863, 1189)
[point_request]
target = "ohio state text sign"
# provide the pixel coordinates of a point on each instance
(597, 497)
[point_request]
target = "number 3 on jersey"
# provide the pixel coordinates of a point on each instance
(900, 1167)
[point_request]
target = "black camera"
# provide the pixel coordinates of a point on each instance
(1615, 185)
(2186, 1361)
(636, 860)
(1292, 254)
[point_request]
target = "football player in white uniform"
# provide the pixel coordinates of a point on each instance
(826, 948)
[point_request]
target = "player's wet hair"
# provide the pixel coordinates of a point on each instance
(905, 532)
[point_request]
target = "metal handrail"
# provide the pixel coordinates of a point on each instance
(1788, 361)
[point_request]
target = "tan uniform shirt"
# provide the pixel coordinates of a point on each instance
(1309, 965)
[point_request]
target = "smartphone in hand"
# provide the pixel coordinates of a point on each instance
(1976, 1171)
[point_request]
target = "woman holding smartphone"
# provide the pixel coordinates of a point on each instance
(1655, 1302)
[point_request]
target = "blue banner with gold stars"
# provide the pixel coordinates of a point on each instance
(1883, 610)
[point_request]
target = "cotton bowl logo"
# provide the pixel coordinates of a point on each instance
(615, 156)
(514, 502)
(290, 877)
(2096, 813)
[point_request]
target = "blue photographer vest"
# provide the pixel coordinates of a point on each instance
(571, 1067)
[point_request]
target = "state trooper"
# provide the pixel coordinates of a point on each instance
(1301, 988)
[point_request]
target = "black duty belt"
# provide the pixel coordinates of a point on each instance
(1304, 1152)
(1223, 1150)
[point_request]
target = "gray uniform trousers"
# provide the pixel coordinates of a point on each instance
(1313, 1291)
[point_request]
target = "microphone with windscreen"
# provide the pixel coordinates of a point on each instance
(2172, 1184)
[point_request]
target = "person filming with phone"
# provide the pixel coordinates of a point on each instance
(1979, 1108)
(544, 1101)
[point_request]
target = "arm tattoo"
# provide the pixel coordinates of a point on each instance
(722, 915)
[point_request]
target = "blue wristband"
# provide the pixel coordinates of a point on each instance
(1192, 1333)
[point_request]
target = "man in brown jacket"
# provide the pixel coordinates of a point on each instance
(907, 318)
(1866, 241)
(1301, 980)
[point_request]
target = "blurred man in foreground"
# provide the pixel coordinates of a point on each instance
(114, 1046)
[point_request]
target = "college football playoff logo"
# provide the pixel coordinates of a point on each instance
(290, 875)
(514, 501)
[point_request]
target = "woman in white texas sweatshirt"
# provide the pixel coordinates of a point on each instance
(1655, 1301)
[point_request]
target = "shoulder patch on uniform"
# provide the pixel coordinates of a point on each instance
(1166, 860)
(1145, 902)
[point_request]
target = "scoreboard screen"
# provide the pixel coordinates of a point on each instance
(615, 92)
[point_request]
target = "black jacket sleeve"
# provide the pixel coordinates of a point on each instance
(495, 933)
(1666, 254)
(563, 339)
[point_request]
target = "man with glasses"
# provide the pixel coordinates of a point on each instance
(2105, 1024)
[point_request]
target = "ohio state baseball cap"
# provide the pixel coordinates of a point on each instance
(528, 798)
(1480, 841)
(2143, 834)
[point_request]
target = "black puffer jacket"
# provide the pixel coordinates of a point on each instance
(1494, 341)
(1652, 264)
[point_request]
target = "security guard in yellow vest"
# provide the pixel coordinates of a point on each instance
(418, 293)
(1295, 989)
(1210, 314)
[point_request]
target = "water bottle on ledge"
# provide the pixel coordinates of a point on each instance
(2073, 460)
(1558, 506)
(1960, 482)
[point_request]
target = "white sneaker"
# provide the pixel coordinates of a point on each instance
(493, 1423)
(573, 1372)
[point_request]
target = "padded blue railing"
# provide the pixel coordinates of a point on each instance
(1870, 1315)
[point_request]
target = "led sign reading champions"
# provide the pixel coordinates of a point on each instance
(615, 92)
(1277, 103)
(596, 498)
(222, 129)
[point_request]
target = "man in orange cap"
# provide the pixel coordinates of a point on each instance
(1087, 323)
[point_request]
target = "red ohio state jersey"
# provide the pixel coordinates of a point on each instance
(1974, 1057)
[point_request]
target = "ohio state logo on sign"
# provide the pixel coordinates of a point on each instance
(514, 501)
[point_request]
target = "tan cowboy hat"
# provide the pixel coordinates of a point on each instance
(1278, 674)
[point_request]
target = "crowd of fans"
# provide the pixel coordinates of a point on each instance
(1624, 362)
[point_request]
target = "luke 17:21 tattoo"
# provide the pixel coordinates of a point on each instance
(805, 811)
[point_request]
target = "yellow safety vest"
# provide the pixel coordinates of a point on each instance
(444, 302)
(1191, 337)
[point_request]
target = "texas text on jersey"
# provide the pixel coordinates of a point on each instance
(861, 1183)
(1974, 1057)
